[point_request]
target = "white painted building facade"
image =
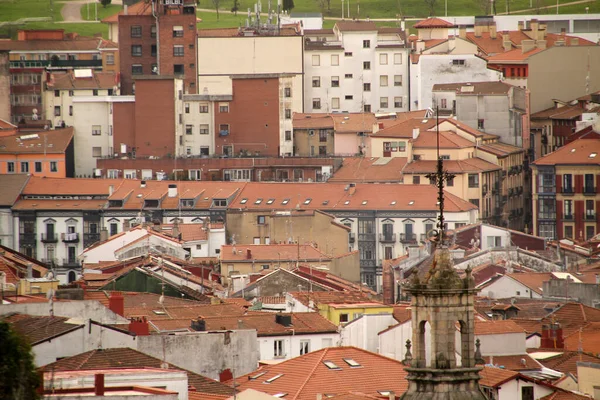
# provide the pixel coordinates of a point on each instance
(356, 70)
(285, 347)
(505, 287)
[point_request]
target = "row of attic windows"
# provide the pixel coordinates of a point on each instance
(184, 203)
(308, 201)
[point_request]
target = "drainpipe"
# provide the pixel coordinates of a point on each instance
(155, 15)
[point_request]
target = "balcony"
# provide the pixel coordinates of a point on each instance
(49, 237)
(27, 238)
(568, 191)
(387, 237)
(351, 237)
(57, 64)
(589, 216)
(70, 237)
(408, 237)
(50, 262)
(70, 262)
(367, 237)
(90, 238)
(568, 217)
(589, 191)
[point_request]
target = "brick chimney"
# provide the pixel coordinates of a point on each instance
(139, 326)
(116, 303)
(552, 336)
(99, 384)
(388, 283)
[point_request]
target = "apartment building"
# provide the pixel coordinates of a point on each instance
(356, 67)
(61, 87)
(565, 199)
(260, 68)
(157, 37)
(36, 51)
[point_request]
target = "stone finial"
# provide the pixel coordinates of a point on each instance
(408, 356)
(478, 358)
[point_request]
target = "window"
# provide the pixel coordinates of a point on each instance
(397, 58)
(527, 393)
(383, 80)
(178, 69)
(287, 92)
(348, 76)
(136, 31)
(136, 50)
(38, 166)
(110, 59)
(588, 183)
(187, 108)
(366, 65)
(366, 87)
(57, 111)
(343, 318)
(589, 232)
(316, 81)
(288, 113)
(153, 50)
(154, 69)
(203, 108)
(383, 59)
(304, 347)
(546, 208)
(57, 93)
(189, 129)
(278, 348)
(367, 108)
(136, 69)
(480, 124)
(366, 44)
(348, 54)
(458, 62)
(96, 151)
(568, 209)
(288, 136)
(443, 103)
(53, 166)
(322, 135)
(397, 102)
(203, 129)
(397, 80)
(24, 166)
(316, 60)
(224, 108)
(177, 50)
(316, 103)
(96, 130)
(450, 182)
(153, 31)
(71, 93)
(383, 102)
(475, 202)
(335, 59)
(416, 180)
(71, 110)
(224, 129)
(567, 183)
(589, 210)
(335, 81)
(473, 180)
(348, 97)
(204, 150)
(178, 31)
(95, 92)
(569, 231)
(335, 103)
(10, 166)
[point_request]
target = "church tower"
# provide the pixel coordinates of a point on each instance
(441, 302)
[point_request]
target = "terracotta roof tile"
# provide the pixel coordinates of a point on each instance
(447, 140)
(475, 88)
(353, 122)
(580, 151)
(519, 362)
(433, 23)
(270, 252)
(12, 185)
(493, 377)
(497, 327)
(404, 128)
(44, 142)
(370, 169)
(565, 395)
(331, 297)
(533, 280)
(587, 338)
(453, 166)
(566, 361)
(67, 81)
(139, 8)
(356, 26)
(84, 44)
(302, 378)
(130, 358)
(39, 329)
(312, 121)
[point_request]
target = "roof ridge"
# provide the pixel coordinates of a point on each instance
(86, 359)
(308, 376)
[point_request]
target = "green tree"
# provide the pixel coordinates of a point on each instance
(236, 6)
(105, 2)
(18, 378)
(217, 3)
(288, 5)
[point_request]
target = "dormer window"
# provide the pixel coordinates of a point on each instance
(219, 203)
(115, 203)
(150, 203)
(186, 203)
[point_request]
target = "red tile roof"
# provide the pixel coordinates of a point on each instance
(312, 121)
(533, 280)
(493, 377)
(587, 338)
(433, 23)
(566, 361)
(67, 81)
(564, 395)
(475, 88)
(356, 26)
(43, 142)
(452, 166)
(404, 128)
(139, 8)
(497, 327)
(580, 151)
(302, 378)
(370, 169)
(447, 140)
(353, 122)
(519, 362)
(12, 185)
(130, 358)
(331, 297)
(38, 329)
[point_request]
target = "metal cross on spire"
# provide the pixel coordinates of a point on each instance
(440, 177)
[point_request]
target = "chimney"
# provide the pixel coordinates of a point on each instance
(99, 384)
(352, 189)
(520, 25)
(527, 45)
(462, 32)
(240, 324)
(319, 396)
(388, 283)
(139, 326)
(111, 189)
(552, 336)
(125, 9)
(534, 26)
(199, 325)
(172, 190)
(248, 254)
(116, 303)
(574, 41)
(506, 43)
(29, 270)
(143, 184)
(541, 44)
(420, 46)
(493, 31)
(416, 133)
(103, 234)
(392, 396)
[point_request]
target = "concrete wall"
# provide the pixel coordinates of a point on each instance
(89, 111)
(80, 309)
(6, 228)
(206, 353)
(502, 344)
(4, 87)
(505, 287)
(363, 332)
(291, 344)
(392, 343)
(562, 73)
(512, 390)
(585, 293)
(588, 375)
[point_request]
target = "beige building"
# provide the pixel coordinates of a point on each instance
(307, 226)
(313, 135)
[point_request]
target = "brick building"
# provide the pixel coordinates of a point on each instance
(157, 37)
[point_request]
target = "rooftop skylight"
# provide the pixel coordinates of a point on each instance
(364, 203)
(254, 377)
(351, 362)
(347, 202)
(593, 155)
(273, 378)
(279, 395)
(244, 201)
(393, 203)
(270, 201)
(258, 201)
(331, 365)
(410, 203)
(307, 201)
(285, 201)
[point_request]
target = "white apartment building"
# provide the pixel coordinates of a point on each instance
(356, 67)
(224, 54)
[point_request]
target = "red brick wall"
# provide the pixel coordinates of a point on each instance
(154, 117)
(123, 125)
(167, 41)
(125, 43)
(253, 117)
